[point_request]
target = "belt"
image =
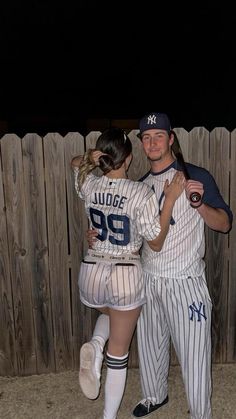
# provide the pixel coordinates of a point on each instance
(105, 256)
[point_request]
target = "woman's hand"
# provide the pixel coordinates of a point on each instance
(95, 155)
(174, 189)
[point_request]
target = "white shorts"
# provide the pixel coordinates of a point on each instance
(111, 281)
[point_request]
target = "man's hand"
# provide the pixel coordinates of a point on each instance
(194, 186)
(91, 237)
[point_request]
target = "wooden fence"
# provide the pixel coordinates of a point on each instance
(42, 227)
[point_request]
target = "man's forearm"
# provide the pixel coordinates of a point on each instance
(215, 218)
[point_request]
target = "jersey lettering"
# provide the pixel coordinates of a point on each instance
(109, 200)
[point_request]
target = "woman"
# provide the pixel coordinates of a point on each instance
(110, 279)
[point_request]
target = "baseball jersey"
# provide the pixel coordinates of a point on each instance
(184, 247)
(121, 210)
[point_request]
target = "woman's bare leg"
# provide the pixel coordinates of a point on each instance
(122, 326)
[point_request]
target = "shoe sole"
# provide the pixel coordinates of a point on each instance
(88, 380)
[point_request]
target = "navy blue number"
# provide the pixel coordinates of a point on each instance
(101, 225)
(105, 224)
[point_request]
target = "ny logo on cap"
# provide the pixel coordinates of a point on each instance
(151, 120)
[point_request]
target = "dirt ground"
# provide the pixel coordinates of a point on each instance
(58, 396)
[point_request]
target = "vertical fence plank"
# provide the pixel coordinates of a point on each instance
(38, 249)
(90, 140)
(58, 249)
(231, 342)
(183, 137)
(77, 220)
(217, 246)
(198, 149)
(8, 365)
(139, 165)
(19, 251)
(88, 316)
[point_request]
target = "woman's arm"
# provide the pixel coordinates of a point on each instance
(76, 161)
(172, 192)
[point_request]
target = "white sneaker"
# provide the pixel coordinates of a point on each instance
(91, 358)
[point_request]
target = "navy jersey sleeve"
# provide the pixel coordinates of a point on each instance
(212, 195)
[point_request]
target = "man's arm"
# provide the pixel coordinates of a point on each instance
(217, 219)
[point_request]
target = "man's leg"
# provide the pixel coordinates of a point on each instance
(189, 317)
(153, 348)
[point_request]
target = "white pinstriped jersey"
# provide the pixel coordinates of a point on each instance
(184, 246)
(121, 210)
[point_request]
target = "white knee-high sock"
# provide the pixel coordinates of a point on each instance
(115, 384)
(102, 330)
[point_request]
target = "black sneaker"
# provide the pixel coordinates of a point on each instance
(146, 407)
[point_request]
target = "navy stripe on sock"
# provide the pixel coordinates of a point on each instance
(116, 363)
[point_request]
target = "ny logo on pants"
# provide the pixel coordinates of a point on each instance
(197, 312)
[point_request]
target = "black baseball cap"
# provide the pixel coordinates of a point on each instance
(154, 120)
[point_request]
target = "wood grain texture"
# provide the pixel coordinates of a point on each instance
(231, 327)
(217, 252)
(77, 226)
(19, 253)
(58, 249)
(8, 365)
(183, 138)
(139, 165)
(35, 202)
(198, 149)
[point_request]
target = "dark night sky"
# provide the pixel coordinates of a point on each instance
(63, 64)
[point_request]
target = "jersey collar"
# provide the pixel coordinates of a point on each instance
(173, 165)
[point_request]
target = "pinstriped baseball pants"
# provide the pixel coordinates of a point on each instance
(179, 309)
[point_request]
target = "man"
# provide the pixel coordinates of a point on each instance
(178, 302)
